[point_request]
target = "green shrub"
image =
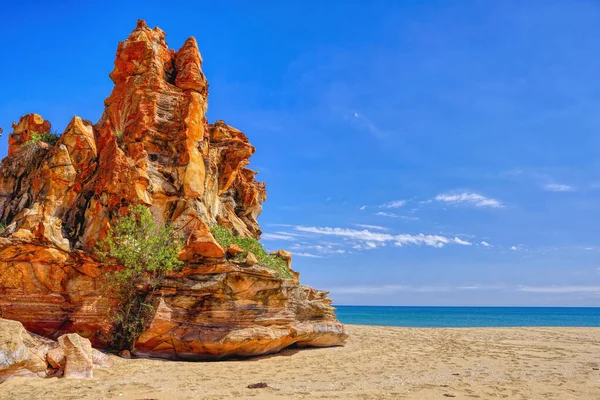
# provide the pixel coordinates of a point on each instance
(226, 238)
(48, 137)
(144, 253)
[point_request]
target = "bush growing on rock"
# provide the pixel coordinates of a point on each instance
(144, 252)
(226, 238)
(48, 137)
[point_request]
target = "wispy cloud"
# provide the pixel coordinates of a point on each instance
(462, 242)
(469, 198)
(394, 215)
(428, 240)
(376, 227)
(362, 235)
(387, 214)
(277, 236)
(391, 289)
(394, 204)
(485, 244)
(308, 255)
(560, 289)
(368, 239)
(362, 208)
(385, 289)
(324, 249)
(363, 122)
(556, 187)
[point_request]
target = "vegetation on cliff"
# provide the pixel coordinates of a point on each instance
(147, 252)
(48, 137)
(226, 238)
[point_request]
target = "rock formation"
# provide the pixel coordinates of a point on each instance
(152, 146)
(24, 354)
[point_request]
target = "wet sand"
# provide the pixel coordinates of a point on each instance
(377, 363)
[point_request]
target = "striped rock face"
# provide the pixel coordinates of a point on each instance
(152, 146)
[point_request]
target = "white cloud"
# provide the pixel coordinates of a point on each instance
(462, 242)
(514, 248)
(556, 187)
(370, 240)
(362, 208)
(485, 244)
(428, 240)
(387, 214)
(560, 289)
(394, 204)
(390, 289)
(309, 255)
(364, 235)
(393, 215)
(376, 227)
(325, 248)
(469, 198)
(277, 236)
(362, 122)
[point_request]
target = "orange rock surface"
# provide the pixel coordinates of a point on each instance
(23, 130)
(152, 146)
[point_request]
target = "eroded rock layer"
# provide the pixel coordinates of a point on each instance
(152, 146)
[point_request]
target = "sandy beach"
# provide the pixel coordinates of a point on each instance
(377, 363)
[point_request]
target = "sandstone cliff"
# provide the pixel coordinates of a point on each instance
(152, 146)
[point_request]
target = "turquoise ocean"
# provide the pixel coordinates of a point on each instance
(462, 317)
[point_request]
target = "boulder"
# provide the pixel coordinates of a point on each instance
(125, 354)
(284, 255)
(251, 259)
(234, 250)
(100, 359)
(29, 355)
(78, 354)
(20, 353)
(56, 358)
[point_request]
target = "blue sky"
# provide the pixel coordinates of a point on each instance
(415, 152)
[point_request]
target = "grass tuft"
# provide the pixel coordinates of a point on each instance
(48, 137)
